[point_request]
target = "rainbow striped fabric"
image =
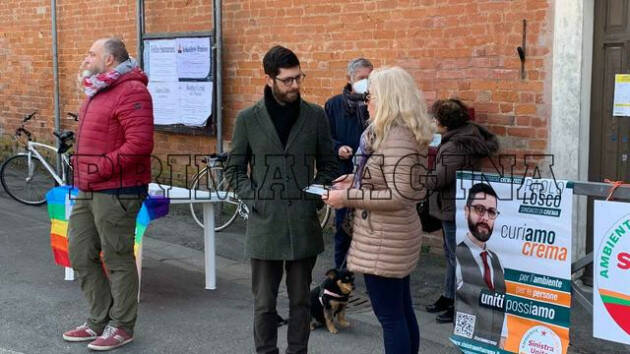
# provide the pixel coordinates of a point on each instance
(60, 201)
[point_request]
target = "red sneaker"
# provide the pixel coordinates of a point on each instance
(80, 334)
(111, 338)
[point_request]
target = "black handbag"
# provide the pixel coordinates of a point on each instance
(429, 223)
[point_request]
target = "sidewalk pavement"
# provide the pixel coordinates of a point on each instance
(176, 314)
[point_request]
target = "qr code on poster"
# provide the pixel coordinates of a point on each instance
(464, 325)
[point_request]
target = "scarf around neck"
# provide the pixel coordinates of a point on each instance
(354, 105)
(97, 82)
(364, 152)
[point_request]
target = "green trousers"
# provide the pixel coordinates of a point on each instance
(106, 223)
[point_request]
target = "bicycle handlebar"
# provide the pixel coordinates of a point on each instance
(29, 116)
(63, 136)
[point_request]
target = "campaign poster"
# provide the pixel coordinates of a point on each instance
(513, 273)
(611, 290)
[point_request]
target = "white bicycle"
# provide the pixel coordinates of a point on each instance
(211, 179)
(27, 176)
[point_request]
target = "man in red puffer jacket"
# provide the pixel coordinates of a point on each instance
(112, 169)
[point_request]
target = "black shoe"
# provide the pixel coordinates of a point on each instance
(442, 304)
(446, 317)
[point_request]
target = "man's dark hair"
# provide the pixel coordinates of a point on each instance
(479, 188)
(116, 47)
(278, 58)
(451, 113)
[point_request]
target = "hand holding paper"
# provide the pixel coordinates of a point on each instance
(343, 182)
(335, 198)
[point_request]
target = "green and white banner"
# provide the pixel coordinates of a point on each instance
(611, 292)
(513, 264)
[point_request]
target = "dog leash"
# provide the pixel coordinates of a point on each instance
(343, 264)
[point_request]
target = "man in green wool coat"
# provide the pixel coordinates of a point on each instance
(281, 140)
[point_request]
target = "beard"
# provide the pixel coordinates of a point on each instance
(288, 96)
(480, 230)
(90, 70)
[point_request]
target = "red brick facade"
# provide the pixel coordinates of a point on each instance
(463, 48)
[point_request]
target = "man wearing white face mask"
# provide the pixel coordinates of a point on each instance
(347, 117)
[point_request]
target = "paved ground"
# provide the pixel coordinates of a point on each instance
(176, 314)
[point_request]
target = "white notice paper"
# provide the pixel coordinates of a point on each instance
(621, 105)
(195, 103)
(165, 97)
(162, 61)
(193, 58)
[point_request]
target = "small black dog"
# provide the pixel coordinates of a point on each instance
(329, 300)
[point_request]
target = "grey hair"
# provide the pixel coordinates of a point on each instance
(357, 63)
(116, 48)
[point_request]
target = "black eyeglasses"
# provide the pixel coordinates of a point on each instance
(288, 81)
(481, 210)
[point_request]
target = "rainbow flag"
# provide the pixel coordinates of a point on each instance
(60, 202)
(152, 208)
(59, 208)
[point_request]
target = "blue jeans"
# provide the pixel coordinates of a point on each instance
(450, 247)
(391, 302)
(342, 240)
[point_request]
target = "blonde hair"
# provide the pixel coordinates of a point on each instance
(398, 102)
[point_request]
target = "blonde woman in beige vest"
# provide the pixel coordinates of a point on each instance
(384, 191)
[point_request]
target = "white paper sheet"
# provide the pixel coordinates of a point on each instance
(165, 102)
(621, 105)
(162, 61)
(195, 103)
(317, 189)
(193, 58)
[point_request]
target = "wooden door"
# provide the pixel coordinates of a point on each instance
(609, 148)
(610, 135)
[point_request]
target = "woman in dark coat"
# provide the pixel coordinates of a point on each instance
(464, 144)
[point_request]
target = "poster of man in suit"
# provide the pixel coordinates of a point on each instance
(513, 269)
(479, 269)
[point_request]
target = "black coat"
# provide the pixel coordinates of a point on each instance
(461, 149)
(346, 127)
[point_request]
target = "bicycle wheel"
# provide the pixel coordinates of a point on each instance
(225, 212)
(324, 215)
(24, 183)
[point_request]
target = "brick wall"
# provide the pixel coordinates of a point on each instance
(463, 48)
